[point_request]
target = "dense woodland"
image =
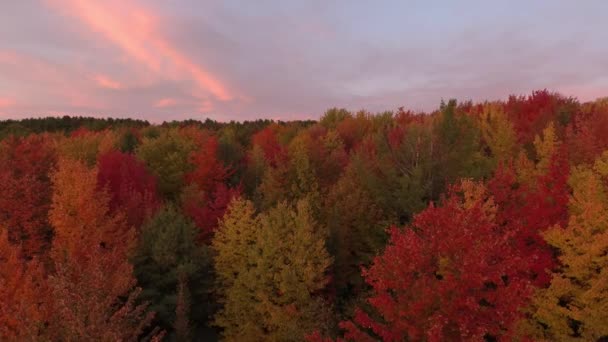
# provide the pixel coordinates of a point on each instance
(478, 221)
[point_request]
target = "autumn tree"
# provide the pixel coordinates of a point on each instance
(426, 286)
(574, 306)
(131, 187)
(80, 213)
(207, 195)
(274, 296)
(85, 146)
(24, 309)
(168, 157)
(25, 185)
(96, 298)
(497, 132)
(93, 293)
(531, 204)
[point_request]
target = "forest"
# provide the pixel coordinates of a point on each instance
(474, 222)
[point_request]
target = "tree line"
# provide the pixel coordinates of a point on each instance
(477, 221)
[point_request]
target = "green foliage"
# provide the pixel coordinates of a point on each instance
(168, 157)
(458, 151)
(167, 251)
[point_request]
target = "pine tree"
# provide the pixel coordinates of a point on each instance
(168, 249)
(182, 311)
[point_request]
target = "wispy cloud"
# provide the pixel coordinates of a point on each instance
(106, 82)
(136, 31)
(165, 103)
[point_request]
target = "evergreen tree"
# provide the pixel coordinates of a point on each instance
(167, 250)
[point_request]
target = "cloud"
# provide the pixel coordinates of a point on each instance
(165, 102)
(6, 102)
(136, 31)
(106, 82)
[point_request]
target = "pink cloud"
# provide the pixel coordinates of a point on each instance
(136, 32)
(53, 79)
(106, 82)
(6, 102)
(166, 102)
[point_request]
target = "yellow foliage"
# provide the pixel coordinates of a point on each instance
(575, 306)
(497, 131)
(545, 147)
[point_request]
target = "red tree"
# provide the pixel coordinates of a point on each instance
(25, 189)
(132, 188)
(451, 275)
(267, 140)
(208, 169)
(23, 310)
(526, 210)
(207, 197)
(206, 209)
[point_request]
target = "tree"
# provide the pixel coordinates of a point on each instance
(497, 132)
(23, 294)
(80, 213)
(206, 209)
(85, 146)
(530, 206)
(357, 229)
(95, 298)
(574, 306)
(208, 169)
(93, 294)
(168, 157)
(168, 250)
(132, 188)
(25, 186)
(458, 152)
(275, 296)
(426, 286)
(182, 311)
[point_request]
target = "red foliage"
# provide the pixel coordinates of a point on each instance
(25, 191)
(131, 187)
(22, 294)
(528, 209)
(452, 275)
(208, 169)
(206, 209)
(586, 136)
(267, 140)
(531, 114)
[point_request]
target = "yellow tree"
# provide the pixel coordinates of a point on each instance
(575, 306)
(80, 213)
(497, 131)
(93, 294)
(271, 285)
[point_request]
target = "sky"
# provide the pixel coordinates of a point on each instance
(165, 60)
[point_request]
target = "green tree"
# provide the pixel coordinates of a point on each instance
(167, 251)
(168, 157)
